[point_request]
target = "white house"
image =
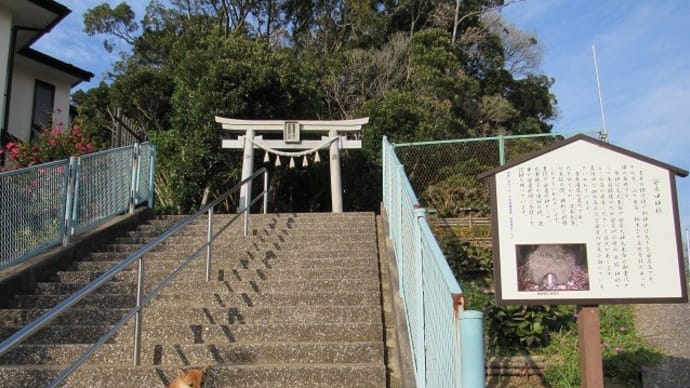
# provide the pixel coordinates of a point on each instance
(35, 86)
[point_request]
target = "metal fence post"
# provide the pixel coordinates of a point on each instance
(473, 368)
(135, 178)
(385, 163)
(265, 204)
(138, 318)
(501, 149)
(71, 199)
(152, 176)
(399, 218)
(208, 241)
(419, 216)
(116, 139)
(245, 225)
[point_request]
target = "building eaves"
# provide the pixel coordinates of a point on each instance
(58, 9)
(81, 74)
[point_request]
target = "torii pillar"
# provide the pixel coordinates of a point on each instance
(299, 138)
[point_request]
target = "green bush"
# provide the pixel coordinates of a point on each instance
(521, 328)
(465, 256)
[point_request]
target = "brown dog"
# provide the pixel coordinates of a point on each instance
(190, 378)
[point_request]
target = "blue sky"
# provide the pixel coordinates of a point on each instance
(643, 55)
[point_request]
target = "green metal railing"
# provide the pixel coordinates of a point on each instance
(446, 342)
(47, 204)
(442, 352)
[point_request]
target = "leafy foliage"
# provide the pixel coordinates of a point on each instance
(523, 327)
(464, 256)
(118, 21)
(419, 70)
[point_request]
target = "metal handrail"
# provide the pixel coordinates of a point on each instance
(142, 300)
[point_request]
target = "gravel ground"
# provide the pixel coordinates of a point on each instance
(666, 326)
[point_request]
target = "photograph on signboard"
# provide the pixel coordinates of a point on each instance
(550, 267)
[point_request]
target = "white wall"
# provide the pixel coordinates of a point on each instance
(5, 36)
(26, 72)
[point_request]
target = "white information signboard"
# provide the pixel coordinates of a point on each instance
(585, 222)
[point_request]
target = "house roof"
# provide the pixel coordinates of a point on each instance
(33, 19)
(676, 170)
(80, 74)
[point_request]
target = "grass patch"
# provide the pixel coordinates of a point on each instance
(624, 353)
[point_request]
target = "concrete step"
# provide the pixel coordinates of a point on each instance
(293, 255)
(116, 256)
(368, 245)
(200, 228)
(116, 252)
(61, 334)
(103, 266)
(296, 303)
(55, 288)
(168, 254)
(316, 262)
(84, 315)
(267, 264)
(213, 315)
(265, 315)
(360, 375)
(200, 354)
(186, 333)
(225, 239)
(100, 300)
(352, 298)
(214, 286)
(356, 269)
(307, 246)
(290, 249)
(278, 299)
(244, 270)
(272, 222)
(163, 262)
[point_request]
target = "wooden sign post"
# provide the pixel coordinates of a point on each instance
(589, 342)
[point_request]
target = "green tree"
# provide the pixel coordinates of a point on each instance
(421, 70)
(118, 22)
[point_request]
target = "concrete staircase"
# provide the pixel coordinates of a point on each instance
(296, 304)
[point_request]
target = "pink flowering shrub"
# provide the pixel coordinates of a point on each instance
(53, 144)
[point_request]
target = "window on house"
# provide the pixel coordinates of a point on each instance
(44, 97)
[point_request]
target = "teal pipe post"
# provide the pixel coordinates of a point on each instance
(472, 349)
(502, 149)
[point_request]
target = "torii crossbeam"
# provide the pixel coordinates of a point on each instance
(299, 138)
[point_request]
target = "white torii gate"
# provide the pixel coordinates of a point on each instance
(299, 138)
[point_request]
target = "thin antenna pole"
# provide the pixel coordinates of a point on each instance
(687, 244)
(603, 135)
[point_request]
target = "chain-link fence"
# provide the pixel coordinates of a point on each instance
(44, 205)
(32, 211)
(443, 174)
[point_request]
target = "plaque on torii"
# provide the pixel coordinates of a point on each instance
(299, 138)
